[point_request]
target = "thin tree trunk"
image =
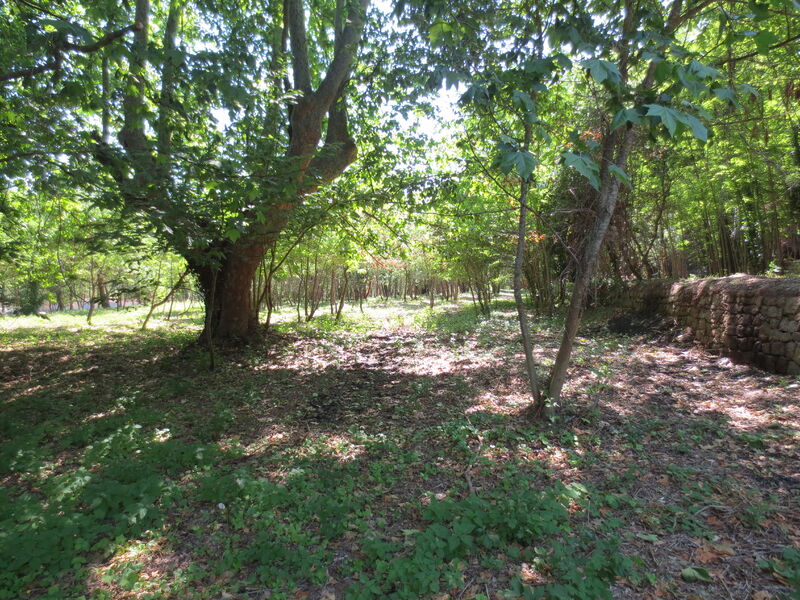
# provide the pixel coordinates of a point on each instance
(343, 295)
(530, 366)
(169, 295)
(91, 293)
(607, 201)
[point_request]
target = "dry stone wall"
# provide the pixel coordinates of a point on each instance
(754, 320)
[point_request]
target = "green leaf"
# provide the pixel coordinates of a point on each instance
(695, 574)
(664, 70)
(602, 70)
(703, 71)
(746, 88)
(626, 115)
(520, 160)
(524, 101)
(693, 123)
(233, 234)
(538, 66)
(666, 115)
(563, 60)
(620, 174)
(690, 82)
(765, 39)
(647, 537)
(726, 94)
(585, 166)
(759, 10)
(439, 30)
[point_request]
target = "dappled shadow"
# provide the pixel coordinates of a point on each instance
(707, 449)
(101, 440)
(292, 463)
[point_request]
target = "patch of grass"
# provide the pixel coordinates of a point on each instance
(538, 528)
(326, 325)
(446, 322)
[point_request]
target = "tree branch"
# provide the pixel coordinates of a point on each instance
(344, 53)
(693, 11)
(104, 41)
(42, 9)
(167, 100)
(338, 152)
(51, 66)
(299, 43)
(735, 59)
(55, 64)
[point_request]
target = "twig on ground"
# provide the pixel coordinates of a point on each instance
(466, 587)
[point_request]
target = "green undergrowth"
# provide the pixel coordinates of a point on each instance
(522, 525)
(326, 325)
(467, 319)
(274, 523)
(132, 471)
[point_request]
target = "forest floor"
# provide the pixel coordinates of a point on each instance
(389, 456)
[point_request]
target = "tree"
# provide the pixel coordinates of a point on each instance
(218, 194)
(648, 73)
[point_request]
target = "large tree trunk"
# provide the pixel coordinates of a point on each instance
(231, 315)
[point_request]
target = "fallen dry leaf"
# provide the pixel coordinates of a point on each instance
(706, 555)
(724, 548)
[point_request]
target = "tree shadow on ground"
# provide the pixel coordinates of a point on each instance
(298, 465)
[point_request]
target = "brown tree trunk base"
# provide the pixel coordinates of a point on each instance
(231, 317)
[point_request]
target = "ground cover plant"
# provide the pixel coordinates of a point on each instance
(388, 455)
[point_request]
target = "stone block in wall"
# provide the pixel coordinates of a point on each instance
(789, 325)
(793, 368)
(766, 362)
(741, 356)
(781, 336)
